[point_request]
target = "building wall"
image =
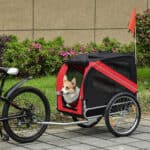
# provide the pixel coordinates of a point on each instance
(75, 20)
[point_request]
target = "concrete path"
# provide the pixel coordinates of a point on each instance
(96, 138)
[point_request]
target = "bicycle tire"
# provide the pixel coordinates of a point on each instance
(44, 101)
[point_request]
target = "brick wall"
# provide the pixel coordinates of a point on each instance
(75, 20)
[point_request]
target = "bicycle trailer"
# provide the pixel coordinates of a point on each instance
(108, 88)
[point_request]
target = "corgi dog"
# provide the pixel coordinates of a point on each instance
(70, 91)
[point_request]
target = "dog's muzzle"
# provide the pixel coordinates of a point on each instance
(59, 93)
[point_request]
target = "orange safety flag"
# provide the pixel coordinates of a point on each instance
(132, 22)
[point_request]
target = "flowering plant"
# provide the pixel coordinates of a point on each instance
(36, 46)
(40, 57)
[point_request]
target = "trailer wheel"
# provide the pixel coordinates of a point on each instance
(122, 115)
(92, 122)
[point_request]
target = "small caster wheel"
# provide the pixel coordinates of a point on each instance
(5, 137)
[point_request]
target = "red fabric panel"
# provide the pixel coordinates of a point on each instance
(60, 76)
(59, 83)
(119, 78)
(91, 64)
(99, 66)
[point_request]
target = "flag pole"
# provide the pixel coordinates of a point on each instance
(135, 48)
(132, 29)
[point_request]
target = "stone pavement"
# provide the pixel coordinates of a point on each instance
(96, 138)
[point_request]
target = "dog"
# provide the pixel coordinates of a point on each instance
(70, 91)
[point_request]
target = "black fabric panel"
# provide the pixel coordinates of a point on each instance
(125, 66)
(78, 60)
(123, 63)
(95, 112)
(99, 89)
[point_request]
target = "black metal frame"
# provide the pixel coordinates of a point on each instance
(5, 98)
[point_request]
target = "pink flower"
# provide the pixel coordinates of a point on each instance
(37, 46)
(72, 52)
(94, 50)
(64, 54)
(81, 49)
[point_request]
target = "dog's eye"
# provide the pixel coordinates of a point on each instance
(67, 87)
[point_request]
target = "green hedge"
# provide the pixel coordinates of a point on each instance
(3, 40)
(40, 57)
(143, 38)
(34, 57)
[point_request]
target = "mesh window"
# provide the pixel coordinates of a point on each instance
(99, 89)
(74, 73)
(124, 66)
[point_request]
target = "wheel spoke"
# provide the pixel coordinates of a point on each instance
(24, 127)
(123, 114)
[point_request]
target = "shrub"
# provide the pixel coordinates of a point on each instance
(34, 57)
(113, 45)
(40, 57)
(3, 40)
(143, 37)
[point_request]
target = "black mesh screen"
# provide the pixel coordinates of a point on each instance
(123, 63)
(125, 66)
(74, 73)
(99, 89)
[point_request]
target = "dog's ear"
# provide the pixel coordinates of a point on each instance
(74, 81)
(65, 78)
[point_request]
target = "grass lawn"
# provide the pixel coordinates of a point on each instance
(144, 88)
(47, 86)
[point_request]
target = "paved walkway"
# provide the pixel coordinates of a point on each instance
(96, 138)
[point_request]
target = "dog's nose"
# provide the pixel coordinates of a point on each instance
(61, 92)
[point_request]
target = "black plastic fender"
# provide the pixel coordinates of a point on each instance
(16, 86)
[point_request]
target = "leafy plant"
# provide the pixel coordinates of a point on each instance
(143, 37)
(41, 57)
(34, 58)
(3, 40)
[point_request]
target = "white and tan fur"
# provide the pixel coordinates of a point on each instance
(69, 90)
